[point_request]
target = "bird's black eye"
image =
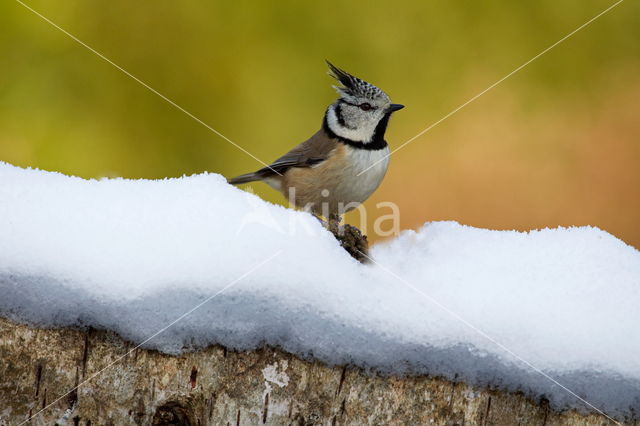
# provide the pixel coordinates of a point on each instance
(365, 106)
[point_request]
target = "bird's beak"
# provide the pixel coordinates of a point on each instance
(395, 107)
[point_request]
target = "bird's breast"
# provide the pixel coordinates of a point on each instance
(365, 170)
(341, 182)
(351, 174)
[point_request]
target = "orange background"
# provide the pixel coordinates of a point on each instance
(558, 143)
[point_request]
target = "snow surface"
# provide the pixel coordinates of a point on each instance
(134, 255)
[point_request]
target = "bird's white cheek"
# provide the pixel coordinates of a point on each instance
(362, 132)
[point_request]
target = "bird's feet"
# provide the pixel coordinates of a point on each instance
(349, 237)
(354, 242)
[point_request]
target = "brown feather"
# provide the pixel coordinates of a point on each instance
(309, 153)
(321, 175)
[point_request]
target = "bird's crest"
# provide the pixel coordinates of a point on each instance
(354, 87)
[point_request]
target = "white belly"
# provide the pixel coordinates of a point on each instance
(364, 171)
(339, 184)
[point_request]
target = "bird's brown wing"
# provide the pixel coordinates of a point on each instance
(313, 151)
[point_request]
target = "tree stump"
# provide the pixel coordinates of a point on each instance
(90, 377)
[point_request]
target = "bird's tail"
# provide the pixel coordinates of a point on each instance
(248, 177)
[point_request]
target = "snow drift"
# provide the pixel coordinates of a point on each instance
(486, 307)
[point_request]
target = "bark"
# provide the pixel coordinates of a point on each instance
(352, 240)
(95, 378)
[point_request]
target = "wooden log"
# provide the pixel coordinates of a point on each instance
(90, 377)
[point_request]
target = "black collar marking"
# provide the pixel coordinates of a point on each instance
(338, 111)
(377, 141)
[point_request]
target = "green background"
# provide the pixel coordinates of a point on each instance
(558, 143)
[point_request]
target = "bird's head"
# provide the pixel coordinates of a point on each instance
(362, 112)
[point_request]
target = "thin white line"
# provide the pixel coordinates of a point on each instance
(231, 284)
(494, 85)
(146, 85)
(485, 335)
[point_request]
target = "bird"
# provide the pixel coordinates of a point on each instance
(344, 162)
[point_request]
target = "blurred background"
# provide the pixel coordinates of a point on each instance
(558, 143)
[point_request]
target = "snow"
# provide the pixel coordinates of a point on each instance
(468, 304)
